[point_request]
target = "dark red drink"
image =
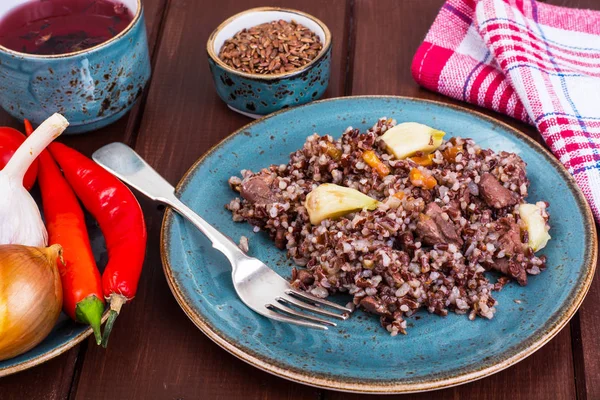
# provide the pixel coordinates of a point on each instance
(62, 26)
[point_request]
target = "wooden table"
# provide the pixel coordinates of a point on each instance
(156, 352)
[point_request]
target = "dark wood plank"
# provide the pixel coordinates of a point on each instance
(155, 351)
(386, 36)
(403, 28)
(53, 380)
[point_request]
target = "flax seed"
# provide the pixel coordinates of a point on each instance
(271, 48)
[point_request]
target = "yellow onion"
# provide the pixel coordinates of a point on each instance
(30, 296)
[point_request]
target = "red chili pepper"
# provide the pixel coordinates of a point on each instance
(82, 287)
(10, 140)
(121, 220)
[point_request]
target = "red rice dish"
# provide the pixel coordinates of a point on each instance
(421, 247)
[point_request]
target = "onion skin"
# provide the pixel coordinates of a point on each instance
(30, 296)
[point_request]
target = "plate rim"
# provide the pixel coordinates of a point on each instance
(47, 356)
(392, 387)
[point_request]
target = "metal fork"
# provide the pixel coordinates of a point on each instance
(257, 285)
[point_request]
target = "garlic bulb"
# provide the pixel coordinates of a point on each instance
(20, 219)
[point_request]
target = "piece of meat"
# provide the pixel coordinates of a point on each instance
(494, 194)
(405, 241)
(428, 231)
(372, 305)
(446, 226)
(302, 279)
(511, 268)
(453, 209)
(279, 239)
(303, 276)
(510, 237)
(258, 189)
(433, 229)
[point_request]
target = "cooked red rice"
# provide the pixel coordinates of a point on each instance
(379, 256)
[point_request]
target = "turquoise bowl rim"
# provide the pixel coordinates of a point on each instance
(128, 28)
(325, 382)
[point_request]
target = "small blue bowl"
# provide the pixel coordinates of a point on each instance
(91, 88)
(257, 95)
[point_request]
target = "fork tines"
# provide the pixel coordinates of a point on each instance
(307, 302)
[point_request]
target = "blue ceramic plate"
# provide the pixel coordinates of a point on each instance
(359, 355)
(66, 333)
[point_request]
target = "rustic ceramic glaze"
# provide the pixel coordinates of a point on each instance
(92, 88)
(264, 94)
(359, 355)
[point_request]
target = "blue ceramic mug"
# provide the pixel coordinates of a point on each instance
(256, 95)
(91, 88)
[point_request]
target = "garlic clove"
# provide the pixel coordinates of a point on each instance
(408, 138)
(537, 228)
(332, 201)
(20, 218)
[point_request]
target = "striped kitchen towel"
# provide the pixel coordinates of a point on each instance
(536, 62)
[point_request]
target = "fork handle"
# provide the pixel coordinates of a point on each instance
(123, 162)
(219, 241)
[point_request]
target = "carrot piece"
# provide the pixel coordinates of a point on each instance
(374, 162)
(430, 182)
(333, 151)
(418, 178)
(424, 161)
(399, 195)
(451, 153)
